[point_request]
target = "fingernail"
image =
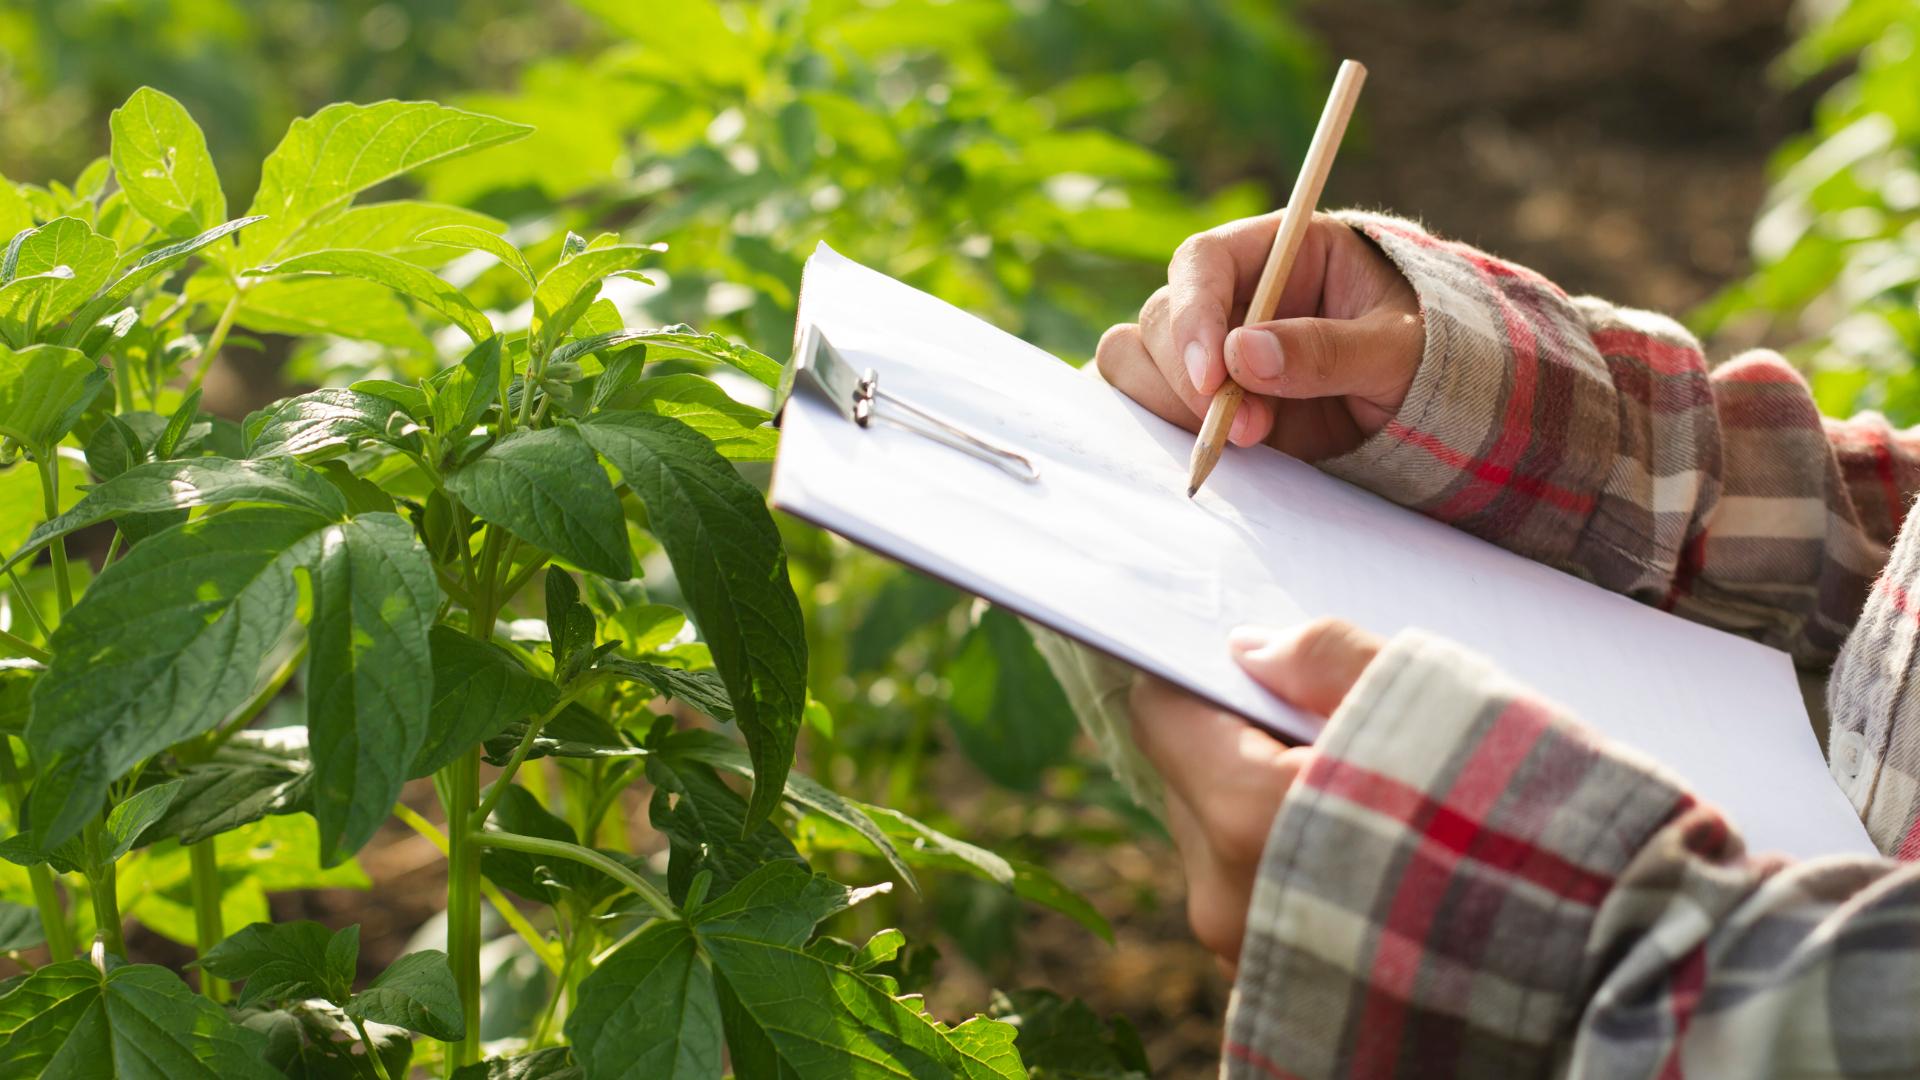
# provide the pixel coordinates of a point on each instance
(1242, 432)
(1250, 639)
(1258, 352)
(1196, 360)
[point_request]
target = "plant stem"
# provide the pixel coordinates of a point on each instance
(53, 916)
(32, 609)
(50, 495)
(520, 752)
(207, 927)
(20, 646)
(219, 337)
(373, 1055)
(536, 845)
(497, 899)
(105, 888)
(463, 909)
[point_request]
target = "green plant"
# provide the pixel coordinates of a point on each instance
(496, 563)
(1837, 245)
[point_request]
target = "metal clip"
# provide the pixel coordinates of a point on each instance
(819, 369)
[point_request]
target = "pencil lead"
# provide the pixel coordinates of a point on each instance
(1191, 488)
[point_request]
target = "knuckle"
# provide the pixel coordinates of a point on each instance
(1323, 346)
(1115, 346)
(1157, 307)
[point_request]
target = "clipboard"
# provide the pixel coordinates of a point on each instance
(1099, 543)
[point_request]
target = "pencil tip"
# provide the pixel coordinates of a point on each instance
(1191, 488)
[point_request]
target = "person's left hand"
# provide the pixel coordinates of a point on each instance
(1225, 778)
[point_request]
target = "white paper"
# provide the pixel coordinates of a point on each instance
(1107, 549)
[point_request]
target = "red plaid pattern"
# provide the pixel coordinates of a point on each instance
(1467, 882)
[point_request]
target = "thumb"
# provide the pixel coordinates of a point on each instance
(1372, 356)
(1312, 668)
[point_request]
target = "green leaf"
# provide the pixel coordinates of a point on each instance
(287, 961)
(546, 488)
(705, 825)
(732, 569)
(553, 1063)
(681, 342)
(738, 430)
(648, 1011)
(135, 816)
(318, 304)
(701, 689)
(254, 774)
(396, 274)
(173, 437)
(370, 681)
(393, 227)
(467, 391)
(68, 242)
(565, 291)
(16, 216)
(472, 239)
(167, 642)
(19, 927)
(327, 158)
(478, 689)
(21, 301)
(313, 1040)
(570, 625)
(139, 1022)
(1062, 1039)
(114, 448)
(161, 159)
(416, 992)
(1009, 714)
(821, 1018)
(151, 265)
(328, 420)
(178, 485)
(43, 390)
(905, 602)
(712, 748)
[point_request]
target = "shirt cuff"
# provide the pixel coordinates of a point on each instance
(1510, 424)
(1429, 884)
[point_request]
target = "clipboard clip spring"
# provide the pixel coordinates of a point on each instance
(820, 369)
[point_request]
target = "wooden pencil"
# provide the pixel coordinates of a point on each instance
(1286, 244)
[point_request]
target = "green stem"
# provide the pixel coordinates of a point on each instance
(207, 927)
(373, 1054)
(219, 337)
(20, 646)
(53, 916)
(113, 548)
(560, 849)
(105, 888)
(50, 495)
(463, 908)
(501, 782)
(494, 897)
(26, 602)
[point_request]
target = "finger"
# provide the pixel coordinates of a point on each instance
(1251, 422)
(1188, 742)
(1373, 356)
(1216, 898)
(1313, 668)
(1123, 361)
(1210, 272)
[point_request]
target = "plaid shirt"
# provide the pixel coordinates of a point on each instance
(1468, 882)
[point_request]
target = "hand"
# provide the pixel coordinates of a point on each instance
(1329, 371)
(1225, 778)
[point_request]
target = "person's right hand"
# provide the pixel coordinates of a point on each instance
(1329, 371)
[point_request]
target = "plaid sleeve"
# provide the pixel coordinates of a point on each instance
(1465, 883)
(1593, 438)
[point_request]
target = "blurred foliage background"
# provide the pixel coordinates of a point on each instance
(1749, 163)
